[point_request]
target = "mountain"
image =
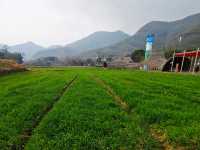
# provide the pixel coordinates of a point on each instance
(1, 45)
(94, 41)
(190, 39)
(54, 47)
(59, 52)
(99, 40)
(28, 49)
(166, 35)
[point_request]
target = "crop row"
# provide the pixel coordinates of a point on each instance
(87, 118)
(168, 103)
(23, 99)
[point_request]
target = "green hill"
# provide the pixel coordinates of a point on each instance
(166, 34)
(191, 39)
(96, 40)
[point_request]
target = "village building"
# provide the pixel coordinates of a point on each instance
(124, 62)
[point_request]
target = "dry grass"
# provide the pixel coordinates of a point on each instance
(7, 66)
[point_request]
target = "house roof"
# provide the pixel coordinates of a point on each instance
(188, 54)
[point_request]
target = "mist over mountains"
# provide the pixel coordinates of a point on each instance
(119, 43)
(166, 35)
(27, 49)
(96, 40)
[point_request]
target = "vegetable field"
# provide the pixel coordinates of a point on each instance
(88, 108)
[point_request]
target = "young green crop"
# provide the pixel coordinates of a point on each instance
(166, 102)
(87, 118)
(23, 99)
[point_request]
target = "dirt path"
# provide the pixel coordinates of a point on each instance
(27, 133)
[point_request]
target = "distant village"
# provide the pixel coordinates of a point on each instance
(170, 61)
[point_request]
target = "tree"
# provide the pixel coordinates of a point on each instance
(138, 55)
(5, 54)
(18, 57)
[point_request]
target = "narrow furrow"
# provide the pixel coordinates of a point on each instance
(85, 118)
(120, 102)
(110, 91)
(27, 133)
(161, 138)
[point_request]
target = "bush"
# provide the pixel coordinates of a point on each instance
(138, 55)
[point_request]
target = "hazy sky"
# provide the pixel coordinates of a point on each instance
(51, 22)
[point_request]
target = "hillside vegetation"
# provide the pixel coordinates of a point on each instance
(166, 34)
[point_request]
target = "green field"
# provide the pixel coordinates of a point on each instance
(89, 108)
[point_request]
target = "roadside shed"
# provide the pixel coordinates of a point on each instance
(177, 63)
(183, 62)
